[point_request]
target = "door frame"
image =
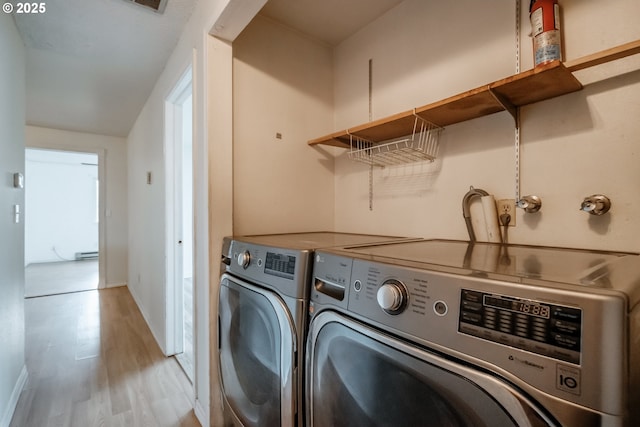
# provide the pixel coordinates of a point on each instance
(173, 158)
(102, 202)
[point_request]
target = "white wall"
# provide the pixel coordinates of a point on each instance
(572, 146)
(13, 373)
(61, 215)
(211, 60)
(282, 84)
(113, 149)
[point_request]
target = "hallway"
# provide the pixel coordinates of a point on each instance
(92, 361)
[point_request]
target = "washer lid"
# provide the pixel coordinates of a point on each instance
(316, 239)
(517, 263)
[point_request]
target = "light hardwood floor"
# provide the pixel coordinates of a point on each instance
(92, 361)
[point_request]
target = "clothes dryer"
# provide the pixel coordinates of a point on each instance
(263, 305)
(450, 333)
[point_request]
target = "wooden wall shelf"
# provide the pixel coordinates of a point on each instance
(535, 85)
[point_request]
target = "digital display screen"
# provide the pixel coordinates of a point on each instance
(280, 265)
(548, 329)
(519, 306)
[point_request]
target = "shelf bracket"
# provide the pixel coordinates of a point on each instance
(423, 120)
(359, 142)
(508, 106)
(515, 113)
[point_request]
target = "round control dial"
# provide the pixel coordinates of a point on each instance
(392, 296)
(244, 258)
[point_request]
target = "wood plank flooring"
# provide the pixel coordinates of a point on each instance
(92, 361)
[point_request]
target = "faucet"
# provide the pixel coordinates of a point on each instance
(466, 211)
(596, 204)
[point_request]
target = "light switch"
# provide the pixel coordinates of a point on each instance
(18, 180)
(16, 214)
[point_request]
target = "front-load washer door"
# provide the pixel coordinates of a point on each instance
(360, 377)
(257, 348)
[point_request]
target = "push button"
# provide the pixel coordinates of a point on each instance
(471, 317)
(565, 341)
(566, 313)
(566, 328)
(469, 305)
(440, 307)
(471, 296)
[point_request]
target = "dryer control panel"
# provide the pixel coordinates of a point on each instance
(547, 329)
(283, 270)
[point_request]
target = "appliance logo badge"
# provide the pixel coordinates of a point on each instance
(319, 258)
(526, 362)
(568, 379)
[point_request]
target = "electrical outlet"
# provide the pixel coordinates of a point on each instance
(507, 206)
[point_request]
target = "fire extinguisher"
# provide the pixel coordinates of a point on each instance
(545, 30)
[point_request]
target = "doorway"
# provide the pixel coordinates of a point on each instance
(180, 242)
(62, 222)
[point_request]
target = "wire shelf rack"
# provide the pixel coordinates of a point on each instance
(422, 145)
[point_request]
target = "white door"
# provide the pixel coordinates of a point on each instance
(180, 241)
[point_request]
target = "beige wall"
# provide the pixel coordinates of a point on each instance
(572, 146)
(13, 373)
(113, 153)
(282, 84)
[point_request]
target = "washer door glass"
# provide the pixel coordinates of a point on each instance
(254, 370)
(359, 380)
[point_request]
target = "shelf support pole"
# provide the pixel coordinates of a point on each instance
(516, 147)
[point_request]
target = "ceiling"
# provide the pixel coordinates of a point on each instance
(91, 64)
(330, 21)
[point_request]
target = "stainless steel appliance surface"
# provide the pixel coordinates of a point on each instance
(264, 291)
(440, 332)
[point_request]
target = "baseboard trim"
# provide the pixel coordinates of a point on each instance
(201, 413)
(15, 396)
(132, 291)
(115, 285)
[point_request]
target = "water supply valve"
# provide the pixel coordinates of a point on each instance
(530, 204)
(596, 204)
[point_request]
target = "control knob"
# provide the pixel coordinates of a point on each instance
(244, 258)
(392, 296)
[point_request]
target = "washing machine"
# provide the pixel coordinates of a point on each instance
(263, 304)
(448, 333)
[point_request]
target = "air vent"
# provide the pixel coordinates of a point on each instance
(155, 5)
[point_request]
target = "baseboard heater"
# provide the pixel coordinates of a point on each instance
(86, 255)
